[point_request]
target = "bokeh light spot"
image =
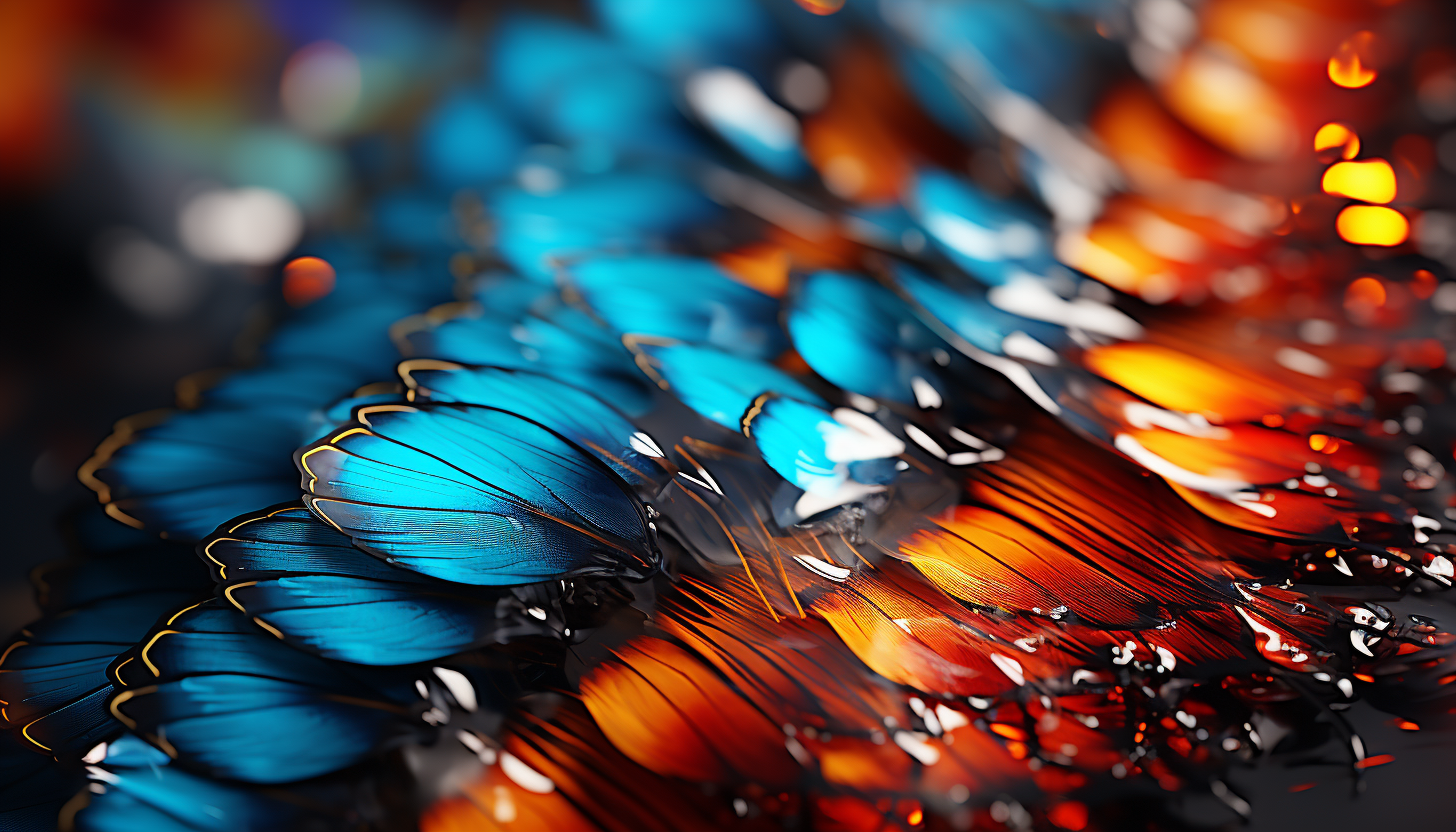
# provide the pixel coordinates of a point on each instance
(1372, 225)
(1363, 298)
(1372, 180)
(249, 226)
(1349, 67)
(306, 279)
(1334, 136)
(821, 6)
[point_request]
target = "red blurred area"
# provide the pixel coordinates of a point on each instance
(171, 53)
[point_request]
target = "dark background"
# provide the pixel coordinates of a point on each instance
(73, 359)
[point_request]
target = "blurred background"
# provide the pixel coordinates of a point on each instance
(157, 161)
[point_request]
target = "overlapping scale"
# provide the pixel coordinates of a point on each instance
(859, 336)
(574, 413)
(229, 699)
(682, 299)
(300, 577)
(475, 495)
(519, 324)
(141, 789)
(53, 675)
(719, 385)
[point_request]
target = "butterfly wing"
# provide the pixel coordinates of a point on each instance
(577, 415)
(305, 580)
(232, 700)
(475, 495)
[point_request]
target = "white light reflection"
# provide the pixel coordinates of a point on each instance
(247, 226)
(1235, 491)
(459, 687)
(823, 568)
(524, 776)
(923, 752)
(1029, 297)
(732, 102)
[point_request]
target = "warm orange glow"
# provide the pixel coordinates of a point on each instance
(1377, 760)
(1010, 732)
(306, 279)
(1372, 225)
(1349, 66)
(1180, 381)
(821, 6)
(593, 786)
(868, 138)
(1364, 294)
(671, 713)
(1336, 135)
(992, 560)
(763, 266)
(926, 653)
(1423, 284)
(727, 627)
(1111, 253)
(1372, 180)
(1148, 142)
(1231, 106)
(1250, 453)
(915, 817)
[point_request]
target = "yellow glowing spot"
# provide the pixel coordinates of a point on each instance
(1347, 68)
(821, 6)
(915, 817)
(1372, 180)
(1372, 225)
(1318, 441)
(1335, 135)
